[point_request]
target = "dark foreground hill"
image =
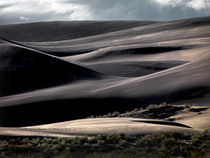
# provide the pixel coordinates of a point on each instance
(23, 70)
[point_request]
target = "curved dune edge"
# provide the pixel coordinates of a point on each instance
(200, 120)
(93, 127)
(23, 69)
(194, 120)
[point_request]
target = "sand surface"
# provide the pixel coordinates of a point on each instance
(90, 68)
(188, 119)
(93, 127)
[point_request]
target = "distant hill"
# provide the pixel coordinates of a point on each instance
(54, 31)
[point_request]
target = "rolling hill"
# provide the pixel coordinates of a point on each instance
(113, 66)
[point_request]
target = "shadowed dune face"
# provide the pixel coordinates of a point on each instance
(162, 123)
(110, 66)
(132, 52)
(133, 68)
(23, 70)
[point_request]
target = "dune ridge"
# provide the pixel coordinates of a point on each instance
(26, 69)
(130, 65)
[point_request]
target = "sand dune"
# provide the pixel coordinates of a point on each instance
(148, 34)
(93, 127)
(115, 66)
(188, 119)
(133, 68)
(70, 30)
(23, 70)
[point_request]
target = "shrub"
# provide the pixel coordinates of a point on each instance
(170, 144)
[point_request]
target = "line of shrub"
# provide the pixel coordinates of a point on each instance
(164, 145)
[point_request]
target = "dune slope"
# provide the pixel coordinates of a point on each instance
(23, 70)
(51, 31)
(94, 127)
(141, 64)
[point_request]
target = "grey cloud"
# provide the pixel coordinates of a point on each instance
(4, 6)
(34, 11)
(139, 10)
(47, 10)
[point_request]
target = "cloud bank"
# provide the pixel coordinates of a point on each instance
(21, 11)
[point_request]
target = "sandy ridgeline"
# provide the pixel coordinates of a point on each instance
(93, 68)
(182, 119)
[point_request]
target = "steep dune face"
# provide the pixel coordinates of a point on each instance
(152, 63)
(24, 70)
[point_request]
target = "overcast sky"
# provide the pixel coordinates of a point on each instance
(22, 11)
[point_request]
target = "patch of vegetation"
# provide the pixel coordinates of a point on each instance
(162, 111)
(164, 145)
